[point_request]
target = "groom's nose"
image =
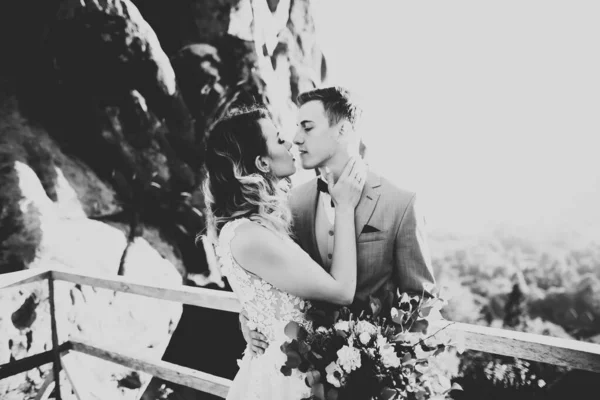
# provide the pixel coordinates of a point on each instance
(298, 137)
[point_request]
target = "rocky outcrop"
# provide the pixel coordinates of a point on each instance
(104, 106)
(47, 224)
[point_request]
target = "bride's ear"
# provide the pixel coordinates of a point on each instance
(262, 164)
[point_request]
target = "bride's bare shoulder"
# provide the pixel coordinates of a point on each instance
(255, 247)
(251, 234)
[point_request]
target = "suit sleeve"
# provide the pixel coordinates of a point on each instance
(413, 271)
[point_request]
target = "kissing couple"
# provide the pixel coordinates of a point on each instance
(341, 238)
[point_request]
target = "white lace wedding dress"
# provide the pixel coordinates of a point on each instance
(269, 310)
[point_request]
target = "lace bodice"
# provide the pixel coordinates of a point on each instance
(269, 309)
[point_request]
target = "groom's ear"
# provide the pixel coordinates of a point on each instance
(262, 164)
(345, 129)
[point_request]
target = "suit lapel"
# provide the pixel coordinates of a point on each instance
(367, 203)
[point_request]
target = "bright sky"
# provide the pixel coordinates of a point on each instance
(490, 110)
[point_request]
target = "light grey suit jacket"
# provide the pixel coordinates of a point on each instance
(392, 255)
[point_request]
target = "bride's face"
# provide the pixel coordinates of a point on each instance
(280, 159)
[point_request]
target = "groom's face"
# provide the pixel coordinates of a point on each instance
(316, 139)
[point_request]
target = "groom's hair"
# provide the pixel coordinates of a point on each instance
(337, 102)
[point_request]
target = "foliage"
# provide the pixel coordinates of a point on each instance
(547, 286)
(371, 356)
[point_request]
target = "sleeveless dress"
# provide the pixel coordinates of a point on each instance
(269, 310)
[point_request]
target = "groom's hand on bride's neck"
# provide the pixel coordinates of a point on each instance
(256, 340)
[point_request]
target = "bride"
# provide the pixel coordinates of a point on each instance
(248, 166)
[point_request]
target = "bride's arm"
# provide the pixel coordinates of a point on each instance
(290, 269)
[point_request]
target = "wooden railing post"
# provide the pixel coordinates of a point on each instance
(55, 346)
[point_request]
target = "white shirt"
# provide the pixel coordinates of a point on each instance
(324, 226)
(325, 198)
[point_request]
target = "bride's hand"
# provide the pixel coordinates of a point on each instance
(347, 190)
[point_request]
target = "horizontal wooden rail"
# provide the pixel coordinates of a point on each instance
(28, 363)
(170, 372)
(207, 298)
(557, 351)
(12, 279)
(547, 349)
(528, 346)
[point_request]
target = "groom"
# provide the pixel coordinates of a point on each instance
(391, 241)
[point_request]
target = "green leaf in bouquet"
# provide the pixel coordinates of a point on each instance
(375, 305)
(319, 317)
(389, 393)
(312, 378)
(402, 339)
(341, 334)
(303, 347)
(431, 288)
(408, 360)
(293, 359)
(420, 325)
(286, 371)
(415, 300)
(404, 303)
(398, 316)
(425, 311)
(336, 316)
(431, 302)
(304, 366)
(337, 342)
(318, 391)
(421, 394)
(440, 349)
(444, 384)
(292, 329)
(421, 367)
(455, 386)
(332, 394)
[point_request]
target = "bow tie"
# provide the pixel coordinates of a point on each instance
(323, 187)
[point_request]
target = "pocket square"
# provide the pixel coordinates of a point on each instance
(369, 229)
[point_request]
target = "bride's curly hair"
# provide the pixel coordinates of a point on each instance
(233, 186)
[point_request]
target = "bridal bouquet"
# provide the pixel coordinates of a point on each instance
(371, 356)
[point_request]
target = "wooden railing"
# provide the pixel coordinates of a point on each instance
(551, 350)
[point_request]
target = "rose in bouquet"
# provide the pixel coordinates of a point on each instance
(370, 355)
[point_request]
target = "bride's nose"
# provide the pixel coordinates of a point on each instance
(288, 145)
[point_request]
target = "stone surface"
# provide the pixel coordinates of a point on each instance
(69, 239)
(104, 106)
